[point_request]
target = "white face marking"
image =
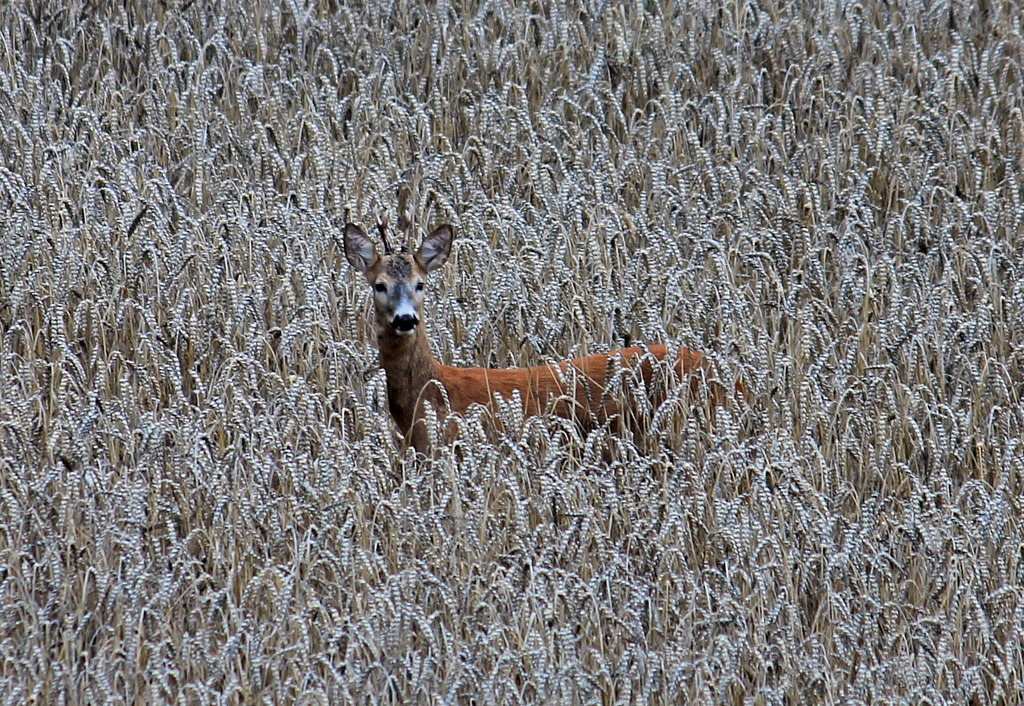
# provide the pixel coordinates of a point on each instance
(405, 308)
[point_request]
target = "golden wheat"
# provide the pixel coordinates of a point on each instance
(201, 495)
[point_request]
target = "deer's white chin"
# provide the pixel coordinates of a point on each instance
(391, 331)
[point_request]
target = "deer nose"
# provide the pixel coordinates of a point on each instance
(404, 323)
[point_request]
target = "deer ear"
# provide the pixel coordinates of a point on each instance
(359, 250)
(435, 248)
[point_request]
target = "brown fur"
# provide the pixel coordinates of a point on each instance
(410, 372)
(414, 377)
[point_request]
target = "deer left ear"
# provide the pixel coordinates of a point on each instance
(360, 250)
(436, 248)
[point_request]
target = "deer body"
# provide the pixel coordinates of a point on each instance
(574, 389)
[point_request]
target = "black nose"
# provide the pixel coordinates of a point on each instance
(404, 323)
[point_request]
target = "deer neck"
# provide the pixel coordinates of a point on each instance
(409, 365)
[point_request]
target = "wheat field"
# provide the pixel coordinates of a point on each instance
(203, 499)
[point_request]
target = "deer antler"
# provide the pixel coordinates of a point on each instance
(382, 227)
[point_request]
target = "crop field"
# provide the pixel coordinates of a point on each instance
(204, 499)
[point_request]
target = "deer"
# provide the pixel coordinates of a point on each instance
(576, 389)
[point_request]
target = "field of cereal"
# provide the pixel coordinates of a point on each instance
(203, 499)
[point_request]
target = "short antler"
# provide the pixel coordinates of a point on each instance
(382, 228)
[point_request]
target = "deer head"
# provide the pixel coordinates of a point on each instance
(398, 278)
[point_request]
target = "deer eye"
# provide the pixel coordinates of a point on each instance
(419, 286)
(380, 288)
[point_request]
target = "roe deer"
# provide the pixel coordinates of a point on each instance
(414, 375)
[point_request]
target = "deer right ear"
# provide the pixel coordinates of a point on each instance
(435, 248)
(359, 250)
